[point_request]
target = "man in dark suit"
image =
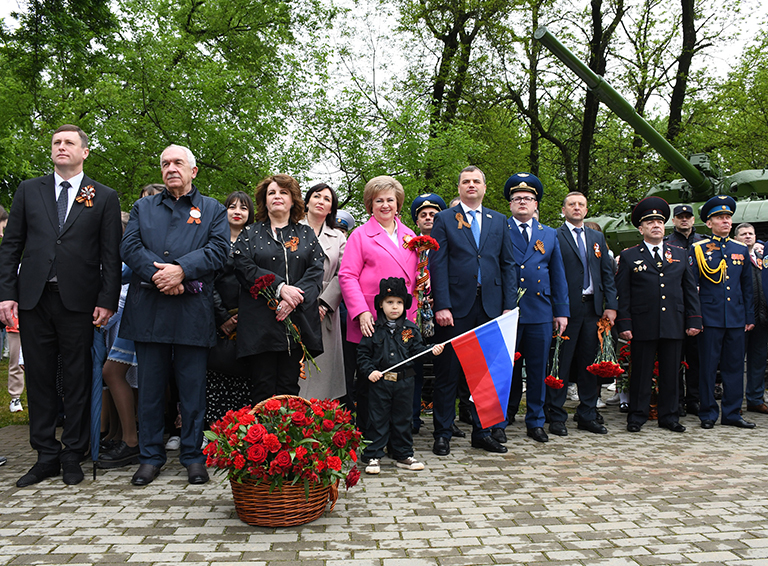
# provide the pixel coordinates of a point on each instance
(545, 302)
(658, 306)
(591, 296)
(173, 239)
(473, 281)
(67, 227)
(722, 272)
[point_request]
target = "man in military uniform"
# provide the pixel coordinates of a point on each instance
(658, 306)
(721, 268)
(423, 210)
(545, 302)
(683, 236)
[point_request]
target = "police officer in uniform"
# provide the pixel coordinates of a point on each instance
(721, 268)
(545, 302)
(658, 306)
(683, 235)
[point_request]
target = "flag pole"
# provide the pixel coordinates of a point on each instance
(443, 344)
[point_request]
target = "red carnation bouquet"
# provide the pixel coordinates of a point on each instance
(286, 440)
(425, 318)
(605, 363)
(263, 286)
(553, 379)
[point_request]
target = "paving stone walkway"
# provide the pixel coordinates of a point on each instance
(651, 498)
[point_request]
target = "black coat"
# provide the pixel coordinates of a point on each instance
(383, 349)
(258, 253)
(656, 303)
(226, 291)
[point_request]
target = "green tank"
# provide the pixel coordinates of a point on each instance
(701, 179)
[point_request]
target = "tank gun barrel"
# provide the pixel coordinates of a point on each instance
(700, 184)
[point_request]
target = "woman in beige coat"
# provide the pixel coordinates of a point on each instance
(321, 204)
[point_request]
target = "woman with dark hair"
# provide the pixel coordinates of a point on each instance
(277, 245)
(227, 386)
(321, 203)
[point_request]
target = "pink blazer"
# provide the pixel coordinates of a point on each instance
(369, 257)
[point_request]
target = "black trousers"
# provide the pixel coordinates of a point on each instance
(689, 378)
(389, 419)
(274, 373)
(48, 330)
(644, 355)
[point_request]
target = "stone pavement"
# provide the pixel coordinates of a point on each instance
(623, 499)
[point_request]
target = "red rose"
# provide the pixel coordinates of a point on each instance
(271, 442)
(247, 419)
(339, 439)
(352, 477)
(334, 463)
(255, 433)
(257, 453)
(239, 461)
(272, 405)
(283, 459)
(328, 425)
(299, 419)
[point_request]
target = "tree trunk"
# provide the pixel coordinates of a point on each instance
(683, 69)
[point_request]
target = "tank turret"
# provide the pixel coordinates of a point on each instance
(701, 179)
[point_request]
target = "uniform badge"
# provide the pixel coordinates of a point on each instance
(668, 256)
(598, 253)
(765, 262)
(539, 246)
(194, 215)
(462, 222)
(86, 195)
(690, 260)
(738, 259)
(712, 247)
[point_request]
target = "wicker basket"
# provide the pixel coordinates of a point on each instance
(281, 508)
(286, 507)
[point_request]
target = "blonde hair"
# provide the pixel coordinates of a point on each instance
(379, 185)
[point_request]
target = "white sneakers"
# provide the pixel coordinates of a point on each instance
(373, 466)
(573, 392)
(16, 405)
(410, 463)
(173, 443)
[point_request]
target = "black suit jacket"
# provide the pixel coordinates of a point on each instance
(600, 268)
(86, 252)
(656, 303)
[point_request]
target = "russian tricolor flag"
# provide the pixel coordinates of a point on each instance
(487, 355)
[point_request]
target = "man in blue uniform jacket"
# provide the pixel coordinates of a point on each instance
(473, 281)
(658, 306)
(174, 242)
(544, 304)
(720, 266)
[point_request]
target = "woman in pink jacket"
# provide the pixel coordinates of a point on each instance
(375, 251)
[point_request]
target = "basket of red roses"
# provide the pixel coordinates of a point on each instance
(284, 458)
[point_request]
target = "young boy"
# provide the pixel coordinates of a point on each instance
(390, 395)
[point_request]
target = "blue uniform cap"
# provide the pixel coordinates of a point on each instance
(345, 220)
(426, 200)
(523, 182)
(720, 204)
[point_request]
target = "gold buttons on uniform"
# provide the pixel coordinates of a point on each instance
(663, 296)
(663, 308)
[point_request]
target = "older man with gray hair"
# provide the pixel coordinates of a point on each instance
(174, 242)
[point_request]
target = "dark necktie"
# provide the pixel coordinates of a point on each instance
(656, 256)
(583, 254)
(61, 203)
(524, 228)
(476, 234)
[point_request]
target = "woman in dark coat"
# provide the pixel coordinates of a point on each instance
(227, 387)
(277, 244)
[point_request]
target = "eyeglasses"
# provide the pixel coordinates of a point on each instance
(522, 199)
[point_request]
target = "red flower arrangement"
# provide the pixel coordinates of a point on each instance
(605, 363)
(424, 315)
(286, 440)
(553, 379)
(263, 286)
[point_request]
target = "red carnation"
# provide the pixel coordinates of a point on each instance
(257, 453)
(261, 283)
(334, 463)
(239, 461)
(283, 459)
(271, 442)
(553, 382)
(301, 452)
(518, 355)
